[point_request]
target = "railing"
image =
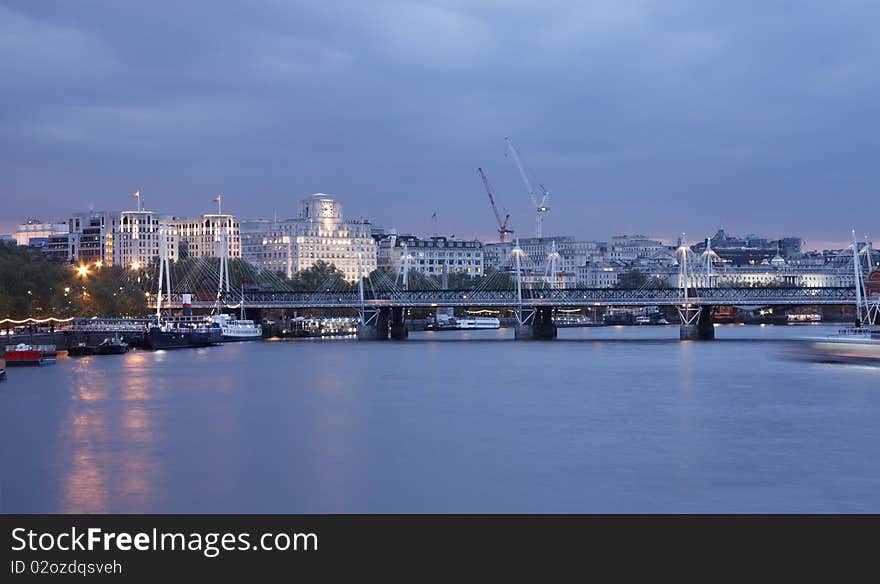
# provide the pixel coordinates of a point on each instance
(553, 297)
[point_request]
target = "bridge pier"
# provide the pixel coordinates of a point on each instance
(701, 330)
(398, 324)
(537, 325)
(376, 326)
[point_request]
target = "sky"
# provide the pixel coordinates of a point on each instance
(639, 116)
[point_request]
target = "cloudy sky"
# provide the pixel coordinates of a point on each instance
(638, 115)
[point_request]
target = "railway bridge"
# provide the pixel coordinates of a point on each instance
(383, 314)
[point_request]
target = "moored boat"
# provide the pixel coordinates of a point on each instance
(80, 349)
(111, 346)
(182, 334)
(452, 323)
(24, 354)
(238, 329)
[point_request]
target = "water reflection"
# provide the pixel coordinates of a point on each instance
(112, 437)
(599, 420)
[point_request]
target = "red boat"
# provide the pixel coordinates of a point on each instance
(22, 354)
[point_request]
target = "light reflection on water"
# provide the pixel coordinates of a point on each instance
(623, 419)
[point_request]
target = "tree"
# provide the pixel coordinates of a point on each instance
(318, 276)
(632, 280)
(30, 285)
(635, 279)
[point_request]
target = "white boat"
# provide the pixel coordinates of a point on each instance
(238, 329)
(478, 322)
(862, 349)
(452, 323)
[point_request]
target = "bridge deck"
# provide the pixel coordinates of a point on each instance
(573, 297)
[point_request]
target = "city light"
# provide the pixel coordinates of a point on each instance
(82, 271)
(135, 265)
(99, 264)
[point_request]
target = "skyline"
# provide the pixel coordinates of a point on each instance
(640, 117)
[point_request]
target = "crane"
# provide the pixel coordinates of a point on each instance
(502, 225)
(540, 207)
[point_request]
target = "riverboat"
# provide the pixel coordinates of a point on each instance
(24, 354)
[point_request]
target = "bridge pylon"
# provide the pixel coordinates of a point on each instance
(697, 324)
(533, 322)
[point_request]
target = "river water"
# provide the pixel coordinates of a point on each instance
(616, 419)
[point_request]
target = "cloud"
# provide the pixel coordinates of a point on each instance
(647, 115)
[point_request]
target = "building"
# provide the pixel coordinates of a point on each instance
(750, 250)
(431, 256)
(536, 250)
(630, 248)
(268, 244)
(35, 232)
(542, 280)
(600, 274)
(90, 237)
(137, 237)
(203, 237)
(320, 233)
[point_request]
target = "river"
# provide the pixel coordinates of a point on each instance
(613, 419)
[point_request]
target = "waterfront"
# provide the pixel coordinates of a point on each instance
(616, 419)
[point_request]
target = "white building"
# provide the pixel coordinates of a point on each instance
(431, 256)
(203, 237)
(38, 231)
(572, 253)
(268, 244)
(320, 233)
(628, 248)
(600, 274)
(137, 241)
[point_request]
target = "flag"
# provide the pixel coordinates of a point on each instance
(217, 199)
(434, 216)
(137, 194)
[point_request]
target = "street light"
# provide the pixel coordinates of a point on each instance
(135, 265)
(99, 264)
(82, 271)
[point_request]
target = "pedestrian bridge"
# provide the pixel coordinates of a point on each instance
(530, 298)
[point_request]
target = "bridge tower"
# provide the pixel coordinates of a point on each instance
(535, 322)
(867, 312)
(697, 323)
(223, 254)
(164, 274)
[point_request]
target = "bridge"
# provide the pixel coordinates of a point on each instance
(383, 305)
(530, 298)
(383, 313)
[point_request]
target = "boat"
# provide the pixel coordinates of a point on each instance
(444, 322)
(564, 320)
(856, 348)
(24, 354)
(182, 333)
(804, 317)
(859, 344)
(238, 329)
(80, 349)
(111, 346)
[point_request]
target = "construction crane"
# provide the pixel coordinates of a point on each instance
(540, 206)
(502, 225)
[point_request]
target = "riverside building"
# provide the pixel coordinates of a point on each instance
(431, 256)
(320, 233)
(202, 237)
